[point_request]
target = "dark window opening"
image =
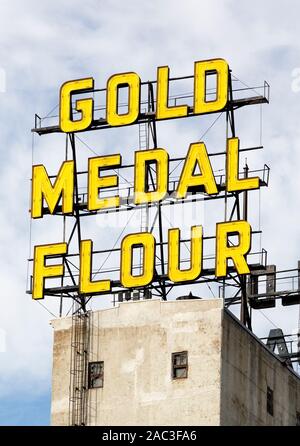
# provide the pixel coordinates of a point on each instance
(270, 398)
(179, 365)
(96, 374)
(297, 418)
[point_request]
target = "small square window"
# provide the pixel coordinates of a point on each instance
(270, 398)
(96, 374)
(179, 365)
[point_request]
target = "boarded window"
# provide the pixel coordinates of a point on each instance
(96, 374)
(179, 365)
(270, 397)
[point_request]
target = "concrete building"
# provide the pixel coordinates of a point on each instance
(184, 362)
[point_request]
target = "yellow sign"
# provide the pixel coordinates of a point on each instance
(49, 195)
(85, 107)
(197, 156)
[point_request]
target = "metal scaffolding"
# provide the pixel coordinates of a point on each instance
(235, 207)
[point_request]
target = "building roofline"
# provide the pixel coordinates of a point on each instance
(281, 360)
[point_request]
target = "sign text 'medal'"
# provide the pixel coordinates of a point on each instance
(61, 191)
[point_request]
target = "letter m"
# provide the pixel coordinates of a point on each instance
(42, 188)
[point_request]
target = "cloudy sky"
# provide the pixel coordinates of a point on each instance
(43, 44)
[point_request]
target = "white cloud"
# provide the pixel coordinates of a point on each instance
(46, 43)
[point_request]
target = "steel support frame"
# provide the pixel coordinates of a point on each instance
(245, 314)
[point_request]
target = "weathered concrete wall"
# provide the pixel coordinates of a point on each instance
(136, 341)
(61, 371)
(228, 373)
(248, 368)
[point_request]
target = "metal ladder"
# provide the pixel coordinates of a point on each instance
(144, 221)
(79, 369)
(143, 136)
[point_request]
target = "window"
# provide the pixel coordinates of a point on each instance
(270, 401)
(96, 374)
(179, 365)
